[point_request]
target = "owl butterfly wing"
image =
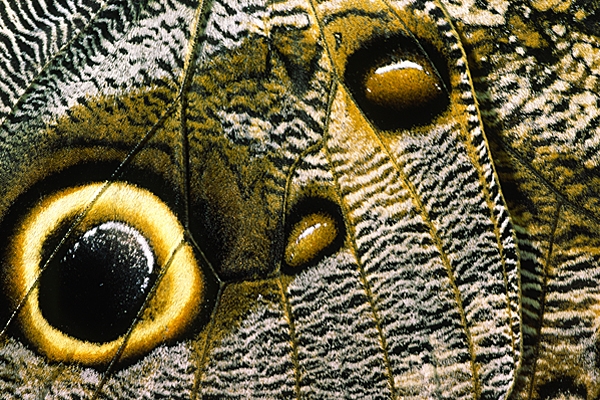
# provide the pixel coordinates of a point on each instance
(536, 74)
(296, 223)
(78, 103)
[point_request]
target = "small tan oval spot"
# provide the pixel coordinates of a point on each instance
(309, 237)
(402, 86)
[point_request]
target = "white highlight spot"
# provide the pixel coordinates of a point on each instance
(139, 238)
(397, 66)
(308, 231)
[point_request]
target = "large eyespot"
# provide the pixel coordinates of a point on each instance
(397, 83)
(93, 286)
(315, 230)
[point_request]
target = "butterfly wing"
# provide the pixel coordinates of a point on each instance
(248, 120)
(535, 76)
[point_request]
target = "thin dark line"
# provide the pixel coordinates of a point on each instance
(138, 318)
(543, 296)
(352, 13)
(418, 43)
(151, 132)
(190, 67)
(285, 300)
(201, 361)
(47, 65)
(186, 80)
(287, 310)
(368, 293)
(184, 161)
(477, 163)
(561, 197)
(364, 282)
(286, 304)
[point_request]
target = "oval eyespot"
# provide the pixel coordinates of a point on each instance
(315, 230)
(309, 237)
(396, 83)
(92, 289)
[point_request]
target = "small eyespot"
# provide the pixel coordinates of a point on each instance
(396, 84)
(309, 237)
(316, 230)
(93, 287)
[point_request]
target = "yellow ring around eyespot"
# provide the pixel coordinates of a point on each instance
(177, 299)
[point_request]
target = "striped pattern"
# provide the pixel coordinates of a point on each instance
(264, 369)
(160, 375)
(332, 314)
(34, 32)
(140, 47)
(240, 106)
(539, 104)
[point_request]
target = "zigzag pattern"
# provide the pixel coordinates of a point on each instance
(540, 107)
(263, 370)
(31, 34)
(424, 299)
(110, 55)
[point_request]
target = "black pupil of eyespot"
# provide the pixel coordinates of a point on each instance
(95, 289)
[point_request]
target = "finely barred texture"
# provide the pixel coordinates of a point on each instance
(536, 77)
(34, 32)
(265, 370)
(234, 112)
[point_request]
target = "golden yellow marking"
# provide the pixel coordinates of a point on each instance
(580, 15)
(555, 5)
(169, 313)
(298, 46)
(526, 34)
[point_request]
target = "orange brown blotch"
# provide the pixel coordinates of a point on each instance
(311, 235)
(402, 86)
